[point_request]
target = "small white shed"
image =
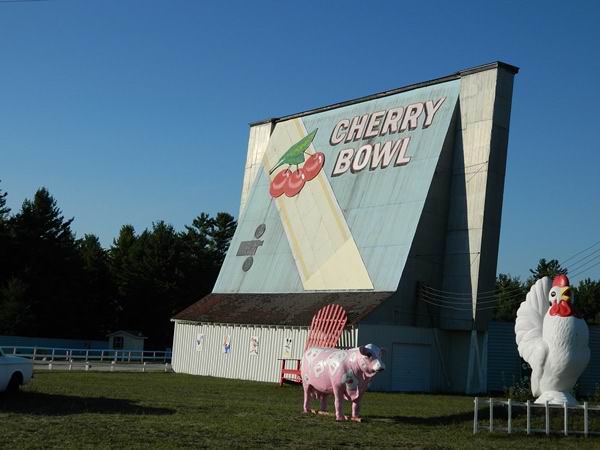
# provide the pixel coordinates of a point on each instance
(126, 340)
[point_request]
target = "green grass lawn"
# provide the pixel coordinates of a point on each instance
(144, 410)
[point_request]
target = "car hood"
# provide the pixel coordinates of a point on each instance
(14, 360)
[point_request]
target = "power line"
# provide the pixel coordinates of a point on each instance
(480, 294)
(585, 269)
(508, 299)
(447, 306)
(445, 302)
(457, 293)
(451, 301)
(581, 262)
(459, 300)
(462, 301)
(463, 172)
(477, 296)
(477, 164)
(474, 173)
(459, 308)
(580, 252)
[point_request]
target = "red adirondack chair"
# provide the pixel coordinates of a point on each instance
(325, 331)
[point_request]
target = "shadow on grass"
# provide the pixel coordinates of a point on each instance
(37, 403)
(427, 421)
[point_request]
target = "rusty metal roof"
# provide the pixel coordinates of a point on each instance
(289, 309)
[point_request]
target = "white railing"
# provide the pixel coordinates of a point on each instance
(49, 354)
(529, 407)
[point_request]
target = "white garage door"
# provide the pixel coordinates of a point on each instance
(411, 367)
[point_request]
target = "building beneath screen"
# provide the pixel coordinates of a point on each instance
(389, 205)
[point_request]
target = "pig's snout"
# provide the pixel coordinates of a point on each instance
(378, 366)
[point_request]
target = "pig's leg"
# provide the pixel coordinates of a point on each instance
(323, 398)
(307, 393)
(356, 410)
(338, 393)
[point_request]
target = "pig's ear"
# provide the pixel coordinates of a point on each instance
(364, 351)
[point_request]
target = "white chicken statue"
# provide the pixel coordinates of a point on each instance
(552, 340)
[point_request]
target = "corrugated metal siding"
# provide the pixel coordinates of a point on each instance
(504, 363)
(476, 191)
(239, 364)
(257, 143)
(591, 377)
(385, 336)
(381, 207)
(411, 367)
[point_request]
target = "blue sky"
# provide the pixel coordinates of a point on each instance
(131, 111)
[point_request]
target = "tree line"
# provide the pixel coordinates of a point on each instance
(512, 291)
(53, 284)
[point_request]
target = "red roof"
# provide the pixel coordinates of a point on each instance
(279, 309)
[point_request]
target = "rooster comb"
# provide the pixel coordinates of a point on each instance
(560, 281)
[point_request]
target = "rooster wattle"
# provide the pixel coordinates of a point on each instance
(552, 340)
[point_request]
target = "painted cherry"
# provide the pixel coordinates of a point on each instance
(295, 183)
(277, 186)
(313, 165)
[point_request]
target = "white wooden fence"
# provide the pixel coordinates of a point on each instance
(47, 358)
(69, 354)
(529, 407)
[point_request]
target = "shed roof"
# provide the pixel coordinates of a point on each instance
(288, 309)
(135, 334)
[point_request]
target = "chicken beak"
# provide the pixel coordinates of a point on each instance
(565, 294)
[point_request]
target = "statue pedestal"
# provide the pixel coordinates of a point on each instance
(557, 398)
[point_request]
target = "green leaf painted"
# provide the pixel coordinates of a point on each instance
(295, 154)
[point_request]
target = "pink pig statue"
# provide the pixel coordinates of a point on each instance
(343, 373)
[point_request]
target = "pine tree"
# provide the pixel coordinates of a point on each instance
(162, 279)
(15, 312)
(511, 292)
(122, 257)
(96, 300)
(197, 237)
(221, 233)
(587, 300)
(4, 210)
(199, 271)
(41, 219)
(6, 250)
(46, 262)
(545, 268)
